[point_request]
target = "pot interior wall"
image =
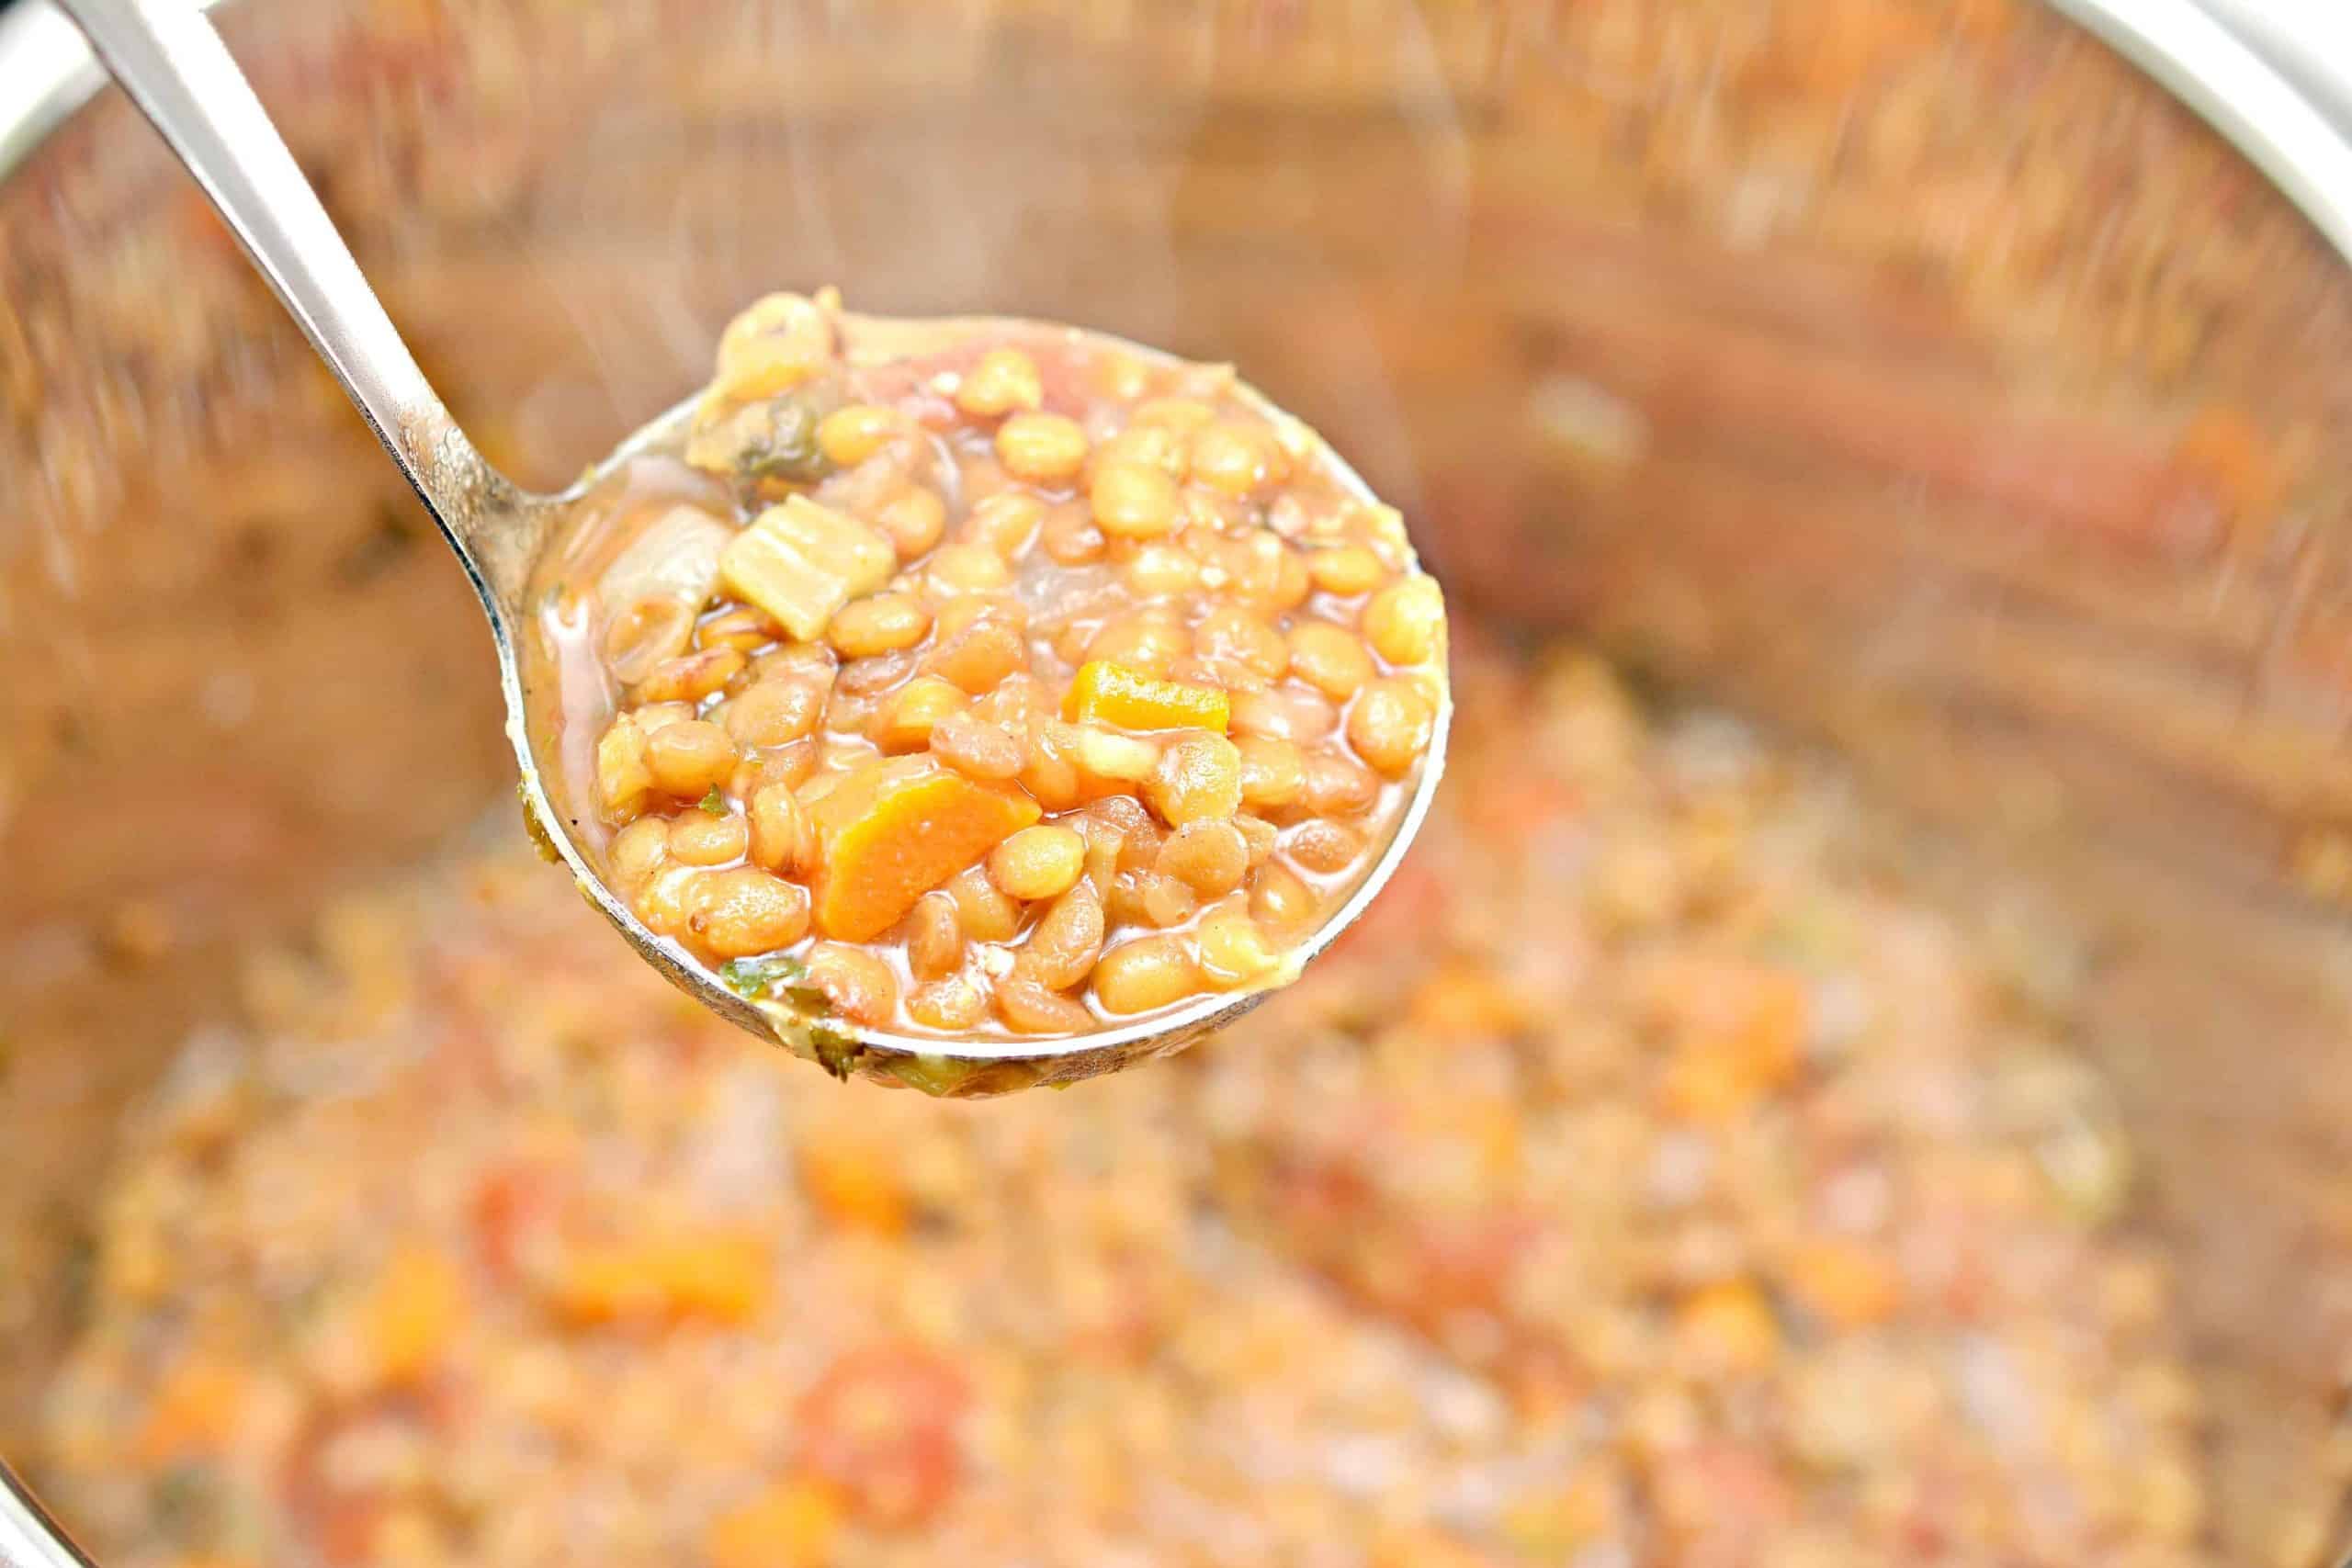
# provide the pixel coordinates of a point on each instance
(1916, 377)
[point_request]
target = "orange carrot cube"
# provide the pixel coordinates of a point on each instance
(1108, 692)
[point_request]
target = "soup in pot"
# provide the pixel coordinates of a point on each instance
(1656, 1174)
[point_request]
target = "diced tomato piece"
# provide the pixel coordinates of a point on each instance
(881, 1425)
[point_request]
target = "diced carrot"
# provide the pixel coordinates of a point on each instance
(790, 1525)
(721, 1275)
(1467, 1002)
(892, 831)
(1701, 1083)
(195, 1411)
(1743, 1037)
(913, 711)
(854, 1180)
(412, 1313)
(2224, 447)
(1108, 692)
(1843, 1283)
(1729, 1328)
(599, 1285)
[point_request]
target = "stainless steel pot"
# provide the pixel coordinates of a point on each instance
(1922, 377)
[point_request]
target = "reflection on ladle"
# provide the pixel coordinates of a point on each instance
(882, 805)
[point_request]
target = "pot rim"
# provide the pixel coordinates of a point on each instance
(2275, 80)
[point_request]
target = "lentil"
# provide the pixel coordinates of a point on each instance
(1007, 524)
(952, 1005)
(1133, 501)
(934, 937)
(744, 912)
(860, 985)
(1274, 774)
(1028, 1008)
(1210, 857)
(1145, 975)
(745, 629)
(915, 520)
(774, 712)
(1043, 447)
(690, 677)
(1327, 658)
(690, 759)
(1038, 862)
(1335, 784)
(849, 435)
(1159, 899)
(782, 838)
(1063, 946)
(1234, 950)
(1390, 724)
(1345, 569)
(1326, 847)
(885, 622)
(1197, 779)
(985, 913)
(638, 851)
(1233, 457)
(1070, 537)
(705, 839)
(1005, 380)
(1405, 622)
(973, 746)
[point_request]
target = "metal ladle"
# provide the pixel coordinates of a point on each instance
(175, 68)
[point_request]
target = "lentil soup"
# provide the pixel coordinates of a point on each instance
(986, 678)
(1717, 1205)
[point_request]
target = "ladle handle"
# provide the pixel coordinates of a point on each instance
(29, 1537)
(168, 57)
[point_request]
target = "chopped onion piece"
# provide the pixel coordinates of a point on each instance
(656, 587)
(801, 562)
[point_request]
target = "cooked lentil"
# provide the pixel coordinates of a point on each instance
(1042, 571)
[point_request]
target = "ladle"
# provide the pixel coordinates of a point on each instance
(167, 55)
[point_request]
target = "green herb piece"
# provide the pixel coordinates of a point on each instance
(186, 1501)
(836, 1053)
(935, 1076)
(788, 449)
(761, 979)
(536, 830)
(714, 803)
